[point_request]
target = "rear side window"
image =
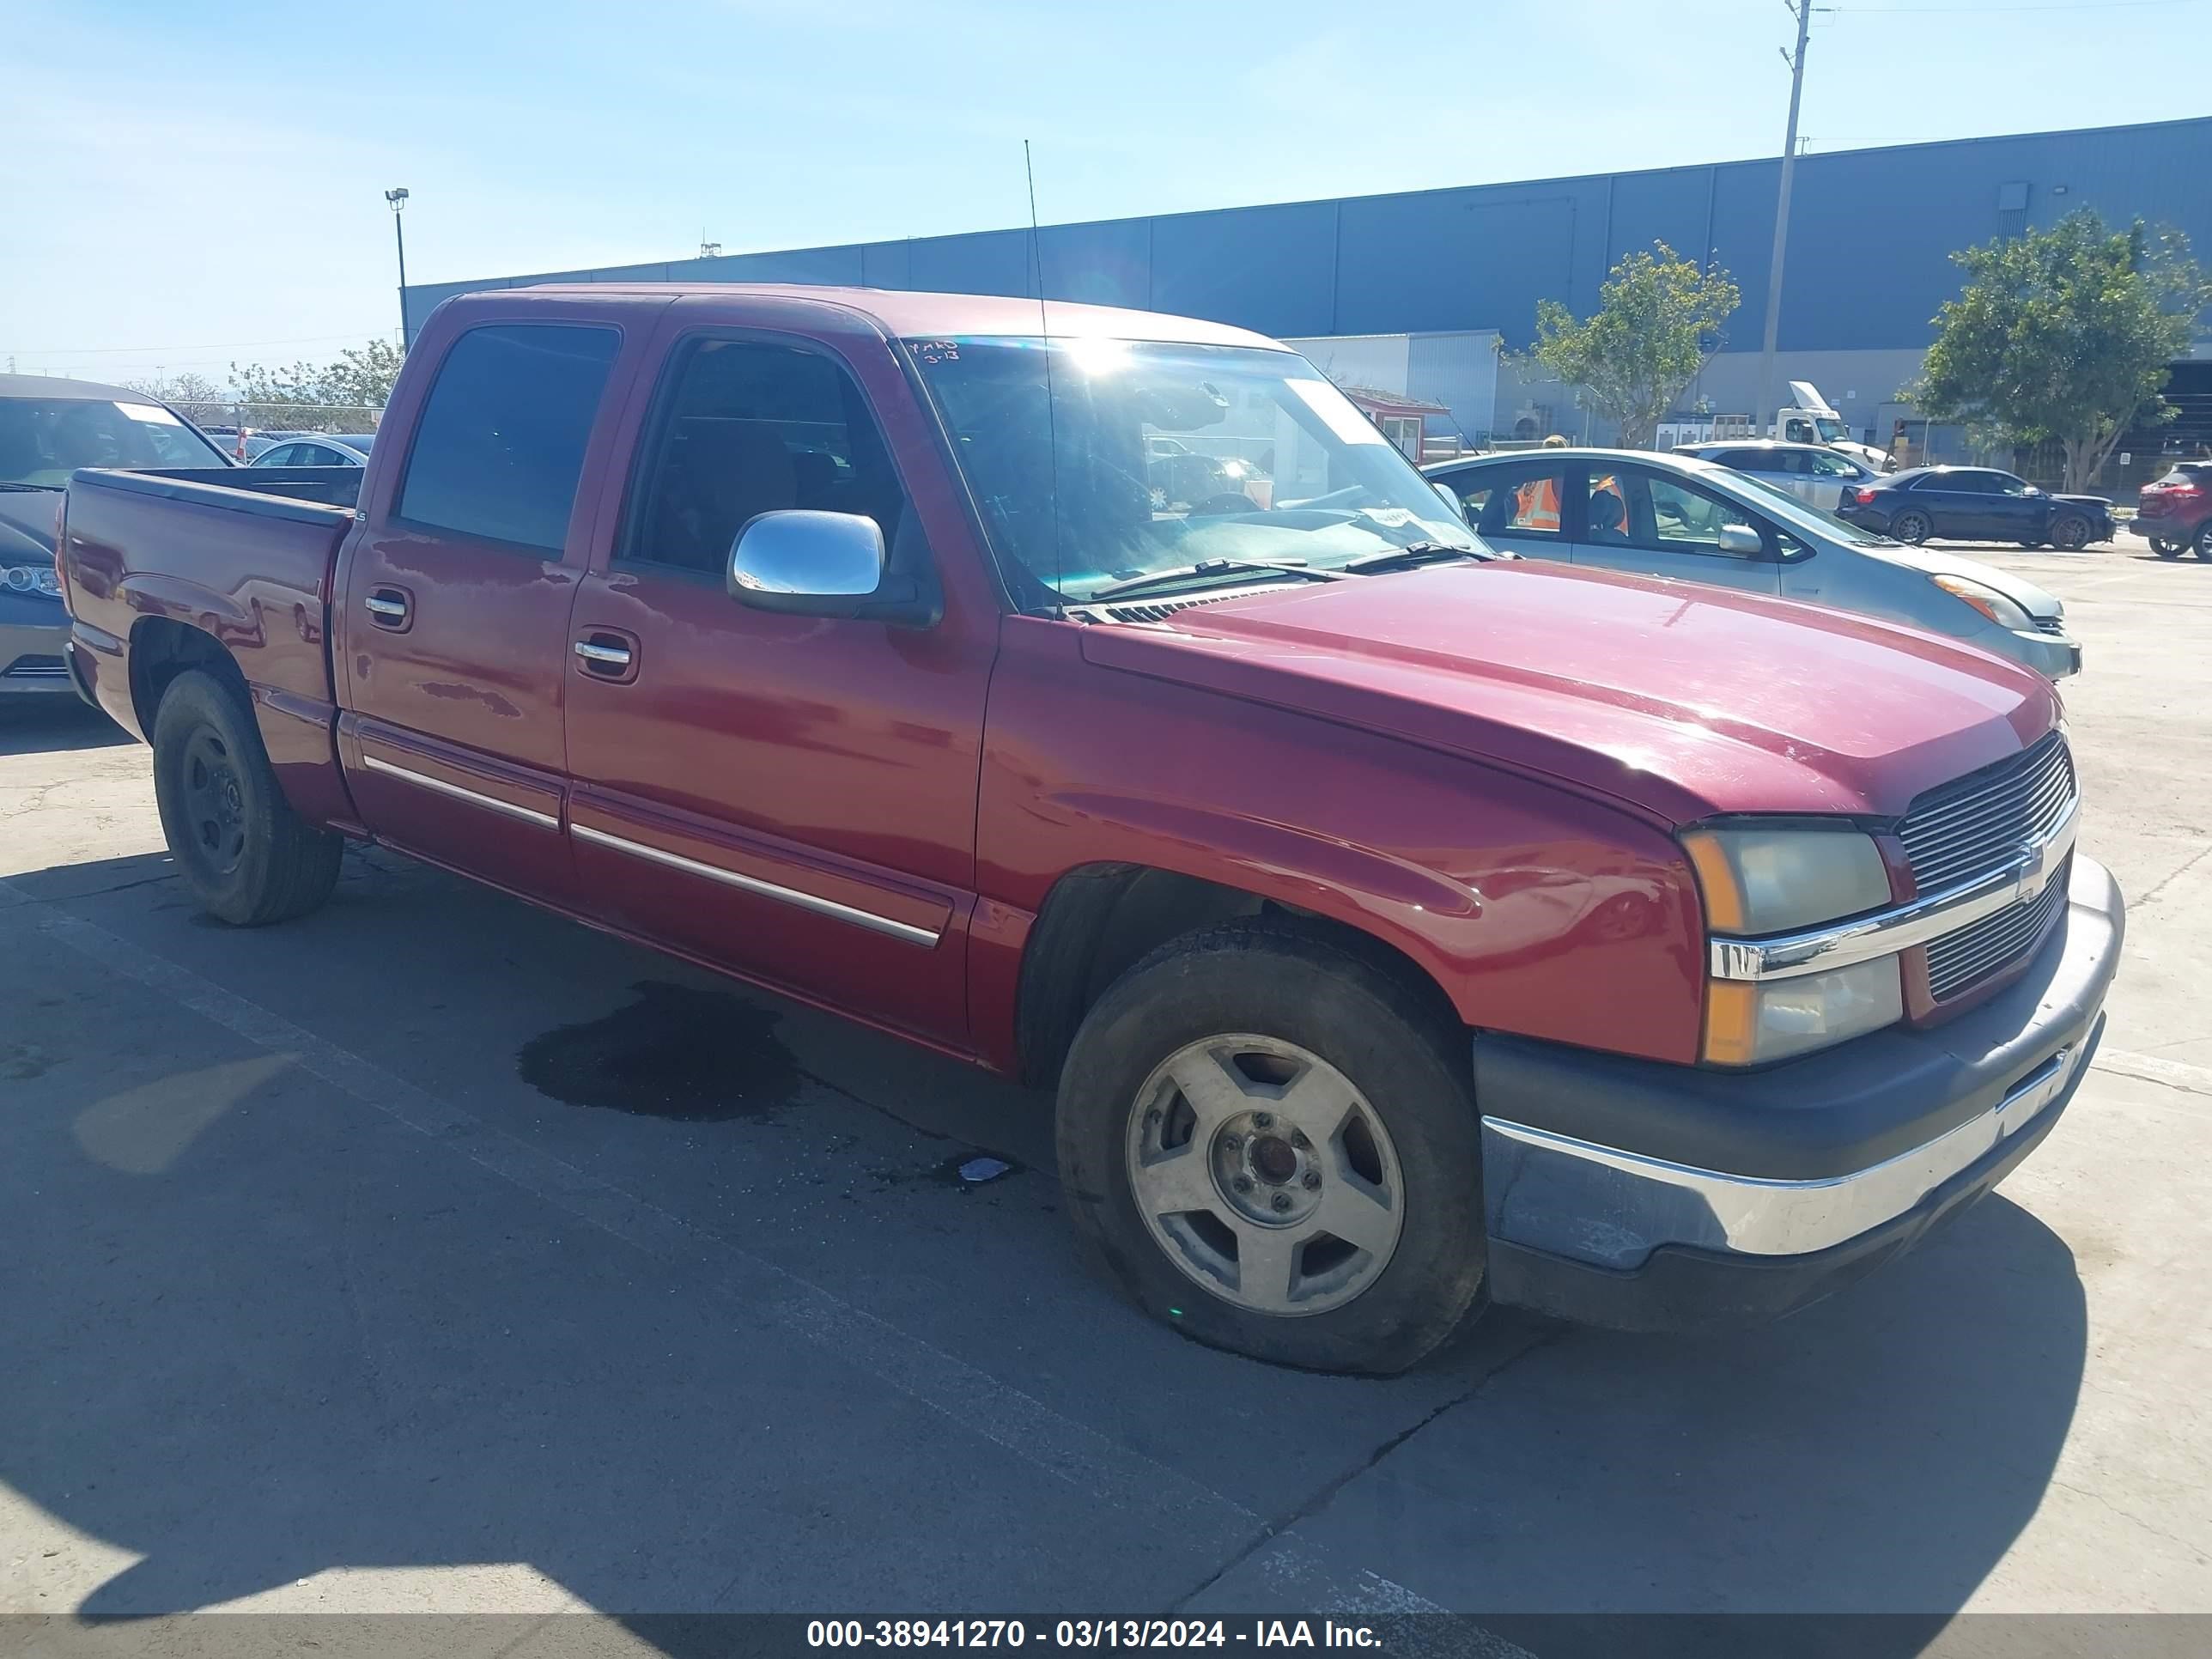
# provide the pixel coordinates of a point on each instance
(500, 446)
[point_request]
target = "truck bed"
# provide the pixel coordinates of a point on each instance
(242, 555)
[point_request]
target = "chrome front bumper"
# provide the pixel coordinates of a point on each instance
(1600, 1174)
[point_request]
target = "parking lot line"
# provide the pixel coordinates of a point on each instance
(1019, 1423)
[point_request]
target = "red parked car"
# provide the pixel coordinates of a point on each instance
(2175, 514)
(1403, 927)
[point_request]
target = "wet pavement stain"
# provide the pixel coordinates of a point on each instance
(697, 1056)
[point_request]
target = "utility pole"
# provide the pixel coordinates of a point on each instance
(398, 200)
(1764, 416)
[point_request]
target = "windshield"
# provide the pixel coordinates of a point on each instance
(1832, 431)
(42, 441)
(1796, 512)
(1099, 461)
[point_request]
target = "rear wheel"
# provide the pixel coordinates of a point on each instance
(1911, 527)
(2202, 541)
(1270, 1142)
(2166, 550)
(2070, 532)
(248, 858)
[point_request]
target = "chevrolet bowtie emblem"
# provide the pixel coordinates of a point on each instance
(2034, 871)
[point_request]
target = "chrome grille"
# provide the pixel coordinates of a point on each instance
(2052, 625)
(1980, 822)
(37, 668)
(1957, 961)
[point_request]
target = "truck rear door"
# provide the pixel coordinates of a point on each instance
(454, 620)
(789, 798)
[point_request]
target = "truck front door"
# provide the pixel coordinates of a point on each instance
(789, 798)
(457, 590)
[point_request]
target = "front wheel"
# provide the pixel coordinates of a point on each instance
(1271, 1143)
(248, 858)
(1912, 528)
(2070, 532)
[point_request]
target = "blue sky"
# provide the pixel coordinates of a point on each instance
(194, 185)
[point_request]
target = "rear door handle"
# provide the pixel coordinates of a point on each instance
(608, 653)
(389, 607)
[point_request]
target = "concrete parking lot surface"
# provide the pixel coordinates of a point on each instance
(434, 1254)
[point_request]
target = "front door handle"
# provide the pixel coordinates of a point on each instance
(389, 607)
(603, 656)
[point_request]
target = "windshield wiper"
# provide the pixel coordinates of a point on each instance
(10, 483)
(1206, 568)
(1419, 553)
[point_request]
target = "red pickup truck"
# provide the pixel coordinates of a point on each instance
(1404, 928)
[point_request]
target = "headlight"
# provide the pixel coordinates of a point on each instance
(1773, 881)
(1987, 600)
(31, 578)
(1750, 1022)
(1759, 882)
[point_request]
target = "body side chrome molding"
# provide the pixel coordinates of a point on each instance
(490, 803)
(1887, 932)
(820, 905)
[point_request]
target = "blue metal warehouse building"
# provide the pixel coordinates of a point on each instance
(1870, 236)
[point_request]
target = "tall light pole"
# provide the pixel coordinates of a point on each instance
(1764, 415)
(397, 199)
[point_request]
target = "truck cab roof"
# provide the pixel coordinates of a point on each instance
(902, 314)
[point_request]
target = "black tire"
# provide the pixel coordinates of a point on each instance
(2166, 550)
(1394, 1039)
(2202, 542)
(248, 858)
(2070, 532)
(1912, 528)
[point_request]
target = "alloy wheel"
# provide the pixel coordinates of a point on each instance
(1264, 1173)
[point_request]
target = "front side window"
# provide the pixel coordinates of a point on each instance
(749, 428)
(499, 449)
(1523, 500)
(1094, 462)
(43, 440)
(1661, 515)
(1827, 464)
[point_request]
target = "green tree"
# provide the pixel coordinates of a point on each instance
(2066, 333)
(308, 396)
(1657, 324)
(195, 397)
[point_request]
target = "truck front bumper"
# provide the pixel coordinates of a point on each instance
(1643, 1196)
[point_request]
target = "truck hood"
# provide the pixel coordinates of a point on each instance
(1930, 561)
(1681, 700)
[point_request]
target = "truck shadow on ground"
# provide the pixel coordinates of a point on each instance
(39, 725)
(306, 1343)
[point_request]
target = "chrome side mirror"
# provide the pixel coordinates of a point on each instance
(1741, 541)
(805, 563)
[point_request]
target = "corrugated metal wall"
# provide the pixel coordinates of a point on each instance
(1871, 234)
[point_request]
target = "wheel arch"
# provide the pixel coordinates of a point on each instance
(161, 648)
(1099, 920)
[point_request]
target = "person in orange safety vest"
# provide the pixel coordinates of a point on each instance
(1536, 502)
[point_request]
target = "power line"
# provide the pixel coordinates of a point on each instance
(204, 345)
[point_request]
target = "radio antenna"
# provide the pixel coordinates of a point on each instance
(1044, 335)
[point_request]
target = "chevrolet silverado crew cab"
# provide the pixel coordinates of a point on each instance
(1402, 926)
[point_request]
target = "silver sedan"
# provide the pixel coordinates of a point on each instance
(1679, 517)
